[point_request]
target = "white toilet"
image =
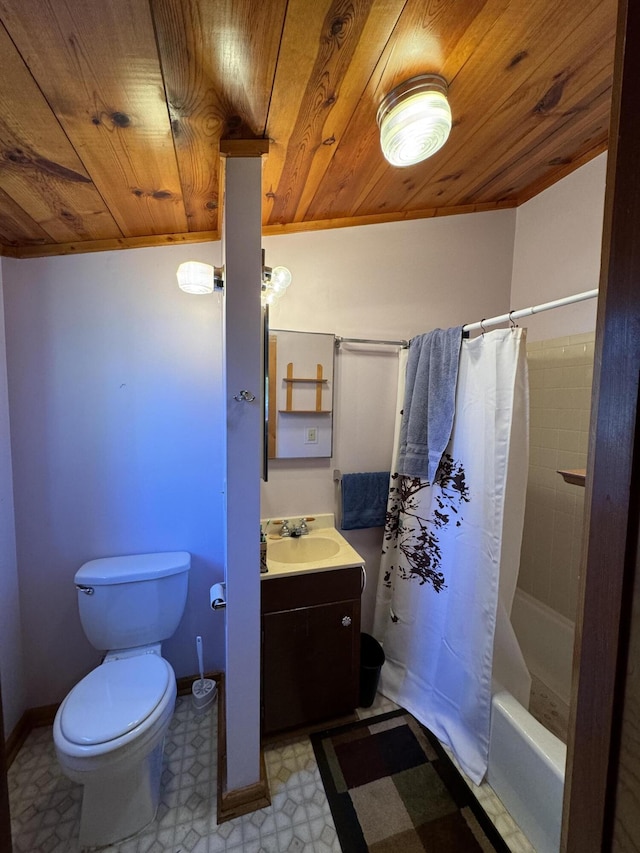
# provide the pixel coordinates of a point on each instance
(109, 730)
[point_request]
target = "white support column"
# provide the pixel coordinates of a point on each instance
(243, 266)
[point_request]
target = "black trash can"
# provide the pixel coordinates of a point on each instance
(371, 660)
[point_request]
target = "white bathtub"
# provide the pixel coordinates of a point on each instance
(527, 761)
(526, 770)
(546, 640)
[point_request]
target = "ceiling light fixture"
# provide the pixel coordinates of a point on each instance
(196, 277)
(414, 120)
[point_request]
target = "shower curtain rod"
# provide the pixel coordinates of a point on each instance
(491, 321)
(526, 312)
(340, 340)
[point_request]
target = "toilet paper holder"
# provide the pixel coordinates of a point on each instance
(217, 596)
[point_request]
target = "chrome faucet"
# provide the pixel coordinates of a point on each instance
(299, 529)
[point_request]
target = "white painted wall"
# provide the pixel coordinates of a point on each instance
(117, 416)
(380, 281)
(11, 666)
(557, 251)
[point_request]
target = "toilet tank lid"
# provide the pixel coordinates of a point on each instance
(135, 567)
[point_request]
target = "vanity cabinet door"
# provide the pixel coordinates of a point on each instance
(310, 664)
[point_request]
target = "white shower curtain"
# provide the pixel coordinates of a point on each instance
(451, 554)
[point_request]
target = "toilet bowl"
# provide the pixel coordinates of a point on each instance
(109, 731)
(109, 735)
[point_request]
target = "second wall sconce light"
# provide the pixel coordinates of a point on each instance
(274, 283)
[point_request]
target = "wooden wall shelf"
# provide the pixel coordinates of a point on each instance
(575, 476)
(297, 379)
(318, 381)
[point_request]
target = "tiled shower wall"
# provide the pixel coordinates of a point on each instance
(560, 377)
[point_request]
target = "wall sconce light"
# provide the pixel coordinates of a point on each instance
(414, 120)
(196, 277)
(274, 283)
(199, 278)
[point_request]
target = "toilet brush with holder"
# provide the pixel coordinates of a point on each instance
(203, 690)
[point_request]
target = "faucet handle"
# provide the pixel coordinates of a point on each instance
(285, 530)
(302, 527)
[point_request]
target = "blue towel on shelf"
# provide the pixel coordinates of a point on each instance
(429, 402)
(364, 500)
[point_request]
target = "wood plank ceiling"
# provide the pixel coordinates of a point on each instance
(111, 111)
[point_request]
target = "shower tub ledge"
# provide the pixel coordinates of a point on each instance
(526, 770)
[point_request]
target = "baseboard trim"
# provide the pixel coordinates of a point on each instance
(16, 738)
(240, 801)
(244, 800)
(185, 683)
(31, 719)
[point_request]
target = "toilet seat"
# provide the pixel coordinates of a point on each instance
(114, 699)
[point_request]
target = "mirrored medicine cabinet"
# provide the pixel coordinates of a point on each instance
(299, 394)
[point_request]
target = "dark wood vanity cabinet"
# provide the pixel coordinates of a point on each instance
(310, 647)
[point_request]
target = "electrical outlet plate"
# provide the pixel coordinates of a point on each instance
(311, 435)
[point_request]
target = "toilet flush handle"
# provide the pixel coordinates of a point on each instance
(88, 590)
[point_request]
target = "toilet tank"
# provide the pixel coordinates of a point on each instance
(132, 601)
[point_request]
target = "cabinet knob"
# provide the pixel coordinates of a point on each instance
(346, 621)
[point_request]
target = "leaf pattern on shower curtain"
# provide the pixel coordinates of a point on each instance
(415, 537)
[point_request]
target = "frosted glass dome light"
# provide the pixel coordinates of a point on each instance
(414, 120)
(195, 277)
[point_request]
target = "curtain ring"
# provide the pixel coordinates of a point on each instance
(513, 325)
(482, 326)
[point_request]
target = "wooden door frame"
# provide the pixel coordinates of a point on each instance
(613, 493)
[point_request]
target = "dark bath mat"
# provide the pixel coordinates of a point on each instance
(391, 787)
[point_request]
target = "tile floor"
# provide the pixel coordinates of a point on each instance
(45, 805)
